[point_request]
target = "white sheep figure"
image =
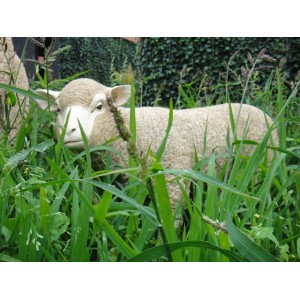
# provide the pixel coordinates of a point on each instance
(12, 72)
(85, 100)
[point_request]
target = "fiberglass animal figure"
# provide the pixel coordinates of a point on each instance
(85, 100)
(12, 72)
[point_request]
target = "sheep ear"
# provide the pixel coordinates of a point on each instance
(120, 94)
(53, 95)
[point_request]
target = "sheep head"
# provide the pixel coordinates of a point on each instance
(83, 101)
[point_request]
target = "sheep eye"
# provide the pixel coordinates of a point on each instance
(99, 106)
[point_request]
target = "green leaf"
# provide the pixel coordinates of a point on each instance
(163, 250)
(147, 211)
(102, 209)
(117, 240)
(14, 160)
(224, 242)
(7, 258)
(161, 149)
(248, 249)
(208, 179)
(297, 181)
(59, 225)
(44, 210)
(264, 233)
(11, 99)
(22, 92)
(165, 211)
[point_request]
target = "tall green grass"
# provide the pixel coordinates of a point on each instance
(55, 207)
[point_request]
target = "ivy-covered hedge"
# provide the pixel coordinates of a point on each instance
(101, 56)
(166, 62)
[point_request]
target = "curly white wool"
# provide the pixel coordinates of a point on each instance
(12, 72)
(87, 100)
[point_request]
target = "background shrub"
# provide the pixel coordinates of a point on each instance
(101, 56)
(165, 63)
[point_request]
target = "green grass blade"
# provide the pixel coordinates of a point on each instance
(211, 203)
(264, 190)
(165, 212)
(102, 209)
(132, 140)
(74, 211)
(44, 210)
(80, 251)
(21, 92)
(148, 212)
(66, 178)
(248, 249)
(8, 258)
(280, 104)
(160, 251)
(87, 189)
(125, 249)
(160, 152)
(208, 179)
(132, 121)
(297, 182)
(145, 234)
(42, 147)
(197, 228)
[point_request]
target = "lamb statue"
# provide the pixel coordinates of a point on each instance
(85, 100)
(12, 72)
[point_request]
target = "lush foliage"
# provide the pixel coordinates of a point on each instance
(166, 63)
(101, 56)
(54, 206)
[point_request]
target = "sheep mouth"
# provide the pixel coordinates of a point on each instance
(73, 144)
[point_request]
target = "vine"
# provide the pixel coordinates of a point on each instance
(102, 56)
(166, 63)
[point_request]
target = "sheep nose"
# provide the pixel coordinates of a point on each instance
(71, 130)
